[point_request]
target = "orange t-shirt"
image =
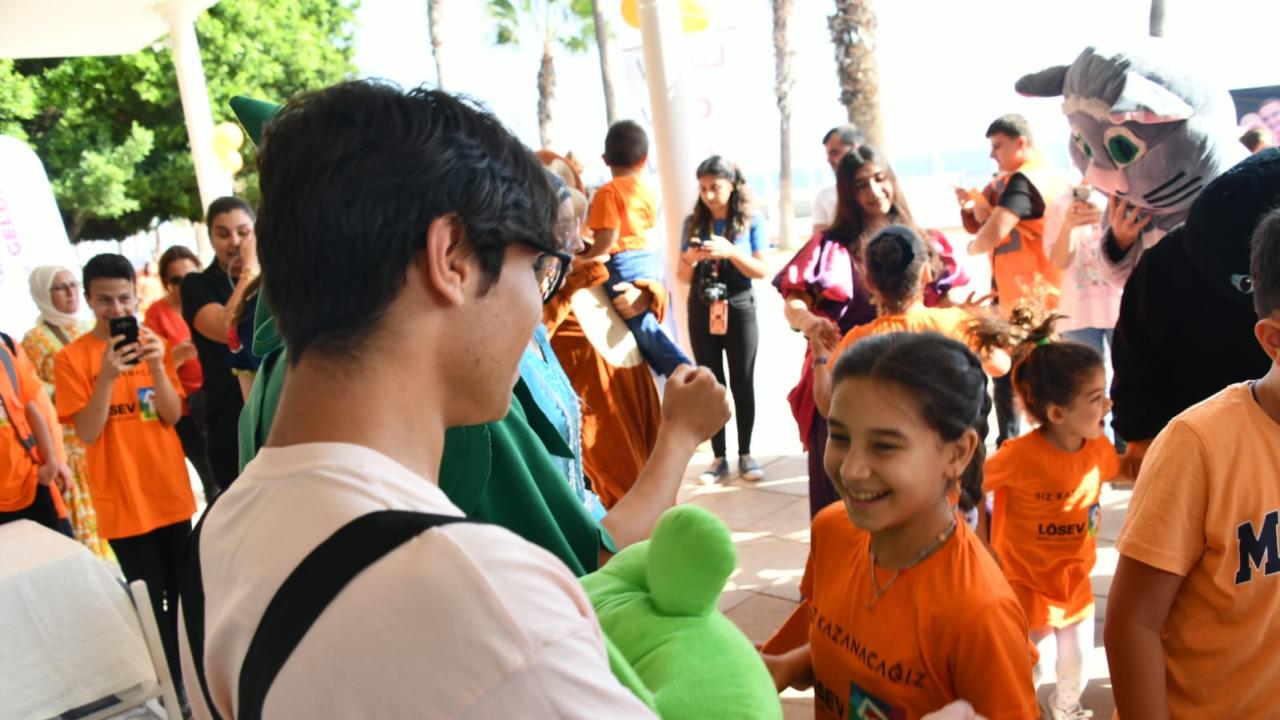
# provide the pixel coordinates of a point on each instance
(952, 322)
(624, 204)
(168, 324)
(1206, 506)
(136, 469)
(1045, 522)
(946, 629)
(17, 467)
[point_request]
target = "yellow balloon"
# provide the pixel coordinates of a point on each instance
(693, 16)
(230, 161)
(227, 135)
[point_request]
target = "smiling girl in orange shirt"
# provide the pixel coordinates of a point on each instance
(907, 610)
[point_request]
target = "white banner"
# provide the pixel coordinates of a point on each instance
(31, 233)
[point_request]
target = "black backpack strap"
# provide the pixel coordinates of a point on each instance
(191, 593)
(303, 596)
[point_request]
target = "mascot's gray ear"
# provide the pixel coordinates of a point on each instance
(1147, 102)
(1046, 83)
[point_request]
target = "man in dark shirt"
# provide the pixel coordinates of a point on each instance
(1007, 220)
(209, 299)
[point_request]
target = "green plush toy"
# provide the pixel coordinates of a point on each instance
(656, 601)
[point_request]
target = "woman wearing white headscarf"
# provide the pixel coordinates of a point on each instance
(56, 291)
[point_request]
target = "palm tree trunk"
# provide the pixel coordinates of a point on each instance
(606, 68)
(546, 93)
(1156, 23)
(783, 84)
(434, 18)
(853, 33)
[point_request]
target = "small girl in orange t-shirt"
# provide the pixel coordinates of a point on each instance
(906, 611)
(1045, 517)
(897, 264)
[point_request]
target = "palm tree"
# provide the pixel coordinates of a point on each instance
(1155, 26)
(853, 33)
(550, 22)
(606, 68)
(433, 26)
(783, 84)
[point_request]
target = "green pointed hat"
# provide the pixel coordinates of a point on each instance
(253, 115)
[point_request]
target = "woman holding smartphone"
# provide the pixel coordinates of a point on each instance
(721, 254)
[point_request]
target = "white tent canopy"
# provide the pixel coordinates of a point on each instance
(73, 28)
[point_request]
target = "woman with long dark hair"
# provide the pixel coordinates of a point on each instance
(721, 255)
(826, 294)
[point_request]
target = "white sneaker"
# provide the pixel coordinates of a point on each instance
(1074, 713)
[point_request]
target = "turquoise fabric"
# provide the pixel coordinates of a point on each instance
(556, 399)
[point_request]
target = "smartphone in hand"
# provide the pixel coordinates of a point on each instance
(128, 327)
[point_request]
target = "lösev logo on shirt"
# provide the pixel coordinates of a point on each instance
(865, 706)
(1260, 550)
(145, 407)
(1068, 531)
(147, 403)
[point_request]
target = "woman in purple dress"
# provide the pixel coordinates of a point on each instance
(826, 295)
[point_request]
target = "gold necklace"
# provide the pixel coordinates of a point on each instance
(929, 549)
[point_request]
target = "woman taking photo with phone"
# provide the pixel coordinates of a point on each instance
(721, 254)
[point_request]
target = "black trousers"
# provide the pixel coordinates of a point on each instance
(1007, 422)
(41, 510)
(191, 432)
(738, 346)
(222, 445)
(156, 557)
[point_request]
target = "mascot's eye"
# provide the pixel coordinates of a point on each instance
(1243, 283)
(1082, 145)
(1123, 146)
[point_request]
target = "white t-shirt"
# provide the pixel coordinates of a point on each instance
(824, 206)
(1090, 292)
(464, 621)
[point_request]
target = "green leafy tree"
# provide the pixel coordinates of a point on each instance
(111, 132)
(549, 23)
(99, 185)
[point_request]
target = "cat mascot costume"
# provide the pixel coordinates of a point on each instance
(1146, 128)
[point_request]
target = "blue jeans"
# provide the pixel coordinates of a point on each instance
(1099, 339)
(658, 349)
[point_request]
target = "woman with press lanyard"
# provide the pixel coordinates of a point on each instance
(720, 256)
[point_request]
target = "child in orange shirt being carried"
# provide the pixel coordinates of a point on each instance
(622, 213)
(907, 611)
(1045, 519)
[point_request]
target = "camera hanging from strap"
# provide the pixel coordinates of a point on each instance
(714, 293)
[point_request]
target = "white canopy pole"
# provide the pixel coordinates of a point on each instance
(210, 178)
(664, 66)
